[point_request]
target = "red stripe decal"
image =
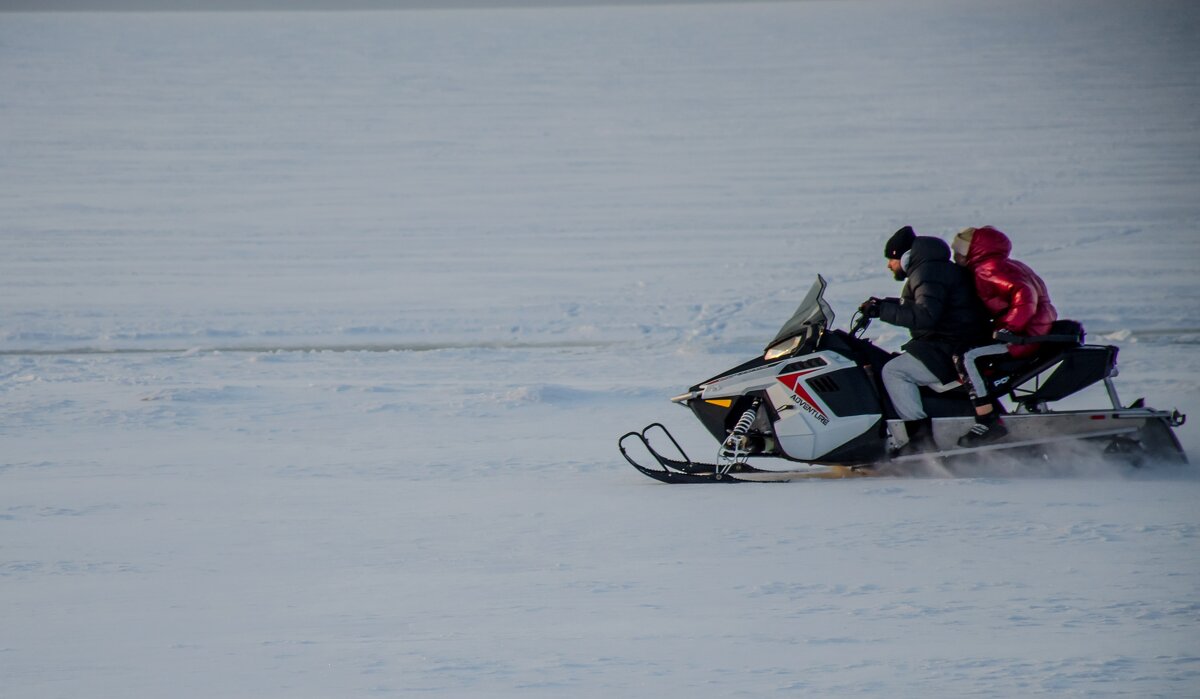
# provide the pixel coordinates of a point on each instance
(792, 381)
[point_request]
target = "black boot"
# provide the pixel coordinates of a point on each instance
(987, 429)
(920, 437)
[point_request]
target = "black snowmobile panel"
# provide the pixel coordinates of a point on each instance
(811, 363)
(868, 448)
(717, 416)
(847, 392)
(861, 351)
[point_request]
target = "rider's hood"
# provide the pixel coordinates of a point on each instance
(926, 249)
(988, 243)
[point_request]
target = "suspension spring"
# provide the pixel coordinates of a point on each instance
(736, 448)
(746, 420)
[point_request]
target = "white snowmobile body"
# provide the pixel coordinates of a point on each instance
(814, 397)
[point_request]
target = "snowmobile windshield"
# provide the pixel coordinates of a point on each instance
(812, 316)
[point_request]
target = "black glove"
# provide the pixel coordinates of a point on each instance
(870, 308)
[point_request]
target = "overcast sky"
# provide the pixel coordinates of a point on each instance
(225, 5)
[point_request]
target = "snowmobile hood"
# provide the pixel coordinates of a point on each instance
(988, 243)
(926, 249)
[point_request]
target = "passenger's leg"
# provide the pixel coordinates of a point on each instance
(976, 380)
(988, 427)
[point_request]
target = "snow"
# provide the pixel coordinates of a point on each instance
(317, 332)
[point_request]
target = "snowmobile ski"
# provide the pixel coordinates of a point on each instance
(684, 470)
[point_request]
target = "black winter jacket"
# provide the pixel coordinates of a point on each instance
(939, 306)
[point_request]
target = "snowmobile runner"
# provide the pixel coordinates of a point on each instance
(815, 397)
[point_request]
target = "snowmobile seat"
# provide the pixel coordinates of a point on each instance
(1063, 335)
(1073, 366)
(1062, 332)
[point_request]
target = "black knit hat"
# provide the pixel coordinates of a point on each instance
(900, 243)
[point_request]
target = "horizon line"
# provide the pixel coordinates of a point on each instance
(152, 6)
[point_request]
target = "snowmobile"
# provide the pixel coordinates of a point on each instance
(815, 397)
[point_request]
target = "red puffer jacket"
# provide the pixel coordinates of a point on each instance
(1015, 296)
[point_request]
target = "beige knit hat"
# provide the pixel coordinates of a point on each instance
(962, 244)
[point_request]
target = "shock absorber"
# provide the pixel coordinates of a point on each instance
(736, 448)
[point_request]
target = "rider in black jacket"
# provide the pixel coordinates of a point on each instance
(939, 306)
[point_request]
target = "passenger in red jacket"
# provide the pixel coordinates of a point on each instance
(1017, 300)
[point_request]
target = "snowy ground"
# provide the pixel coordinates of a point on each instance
(317, 332)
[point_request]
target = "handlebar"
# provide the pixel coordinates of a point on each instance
(859, 324)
